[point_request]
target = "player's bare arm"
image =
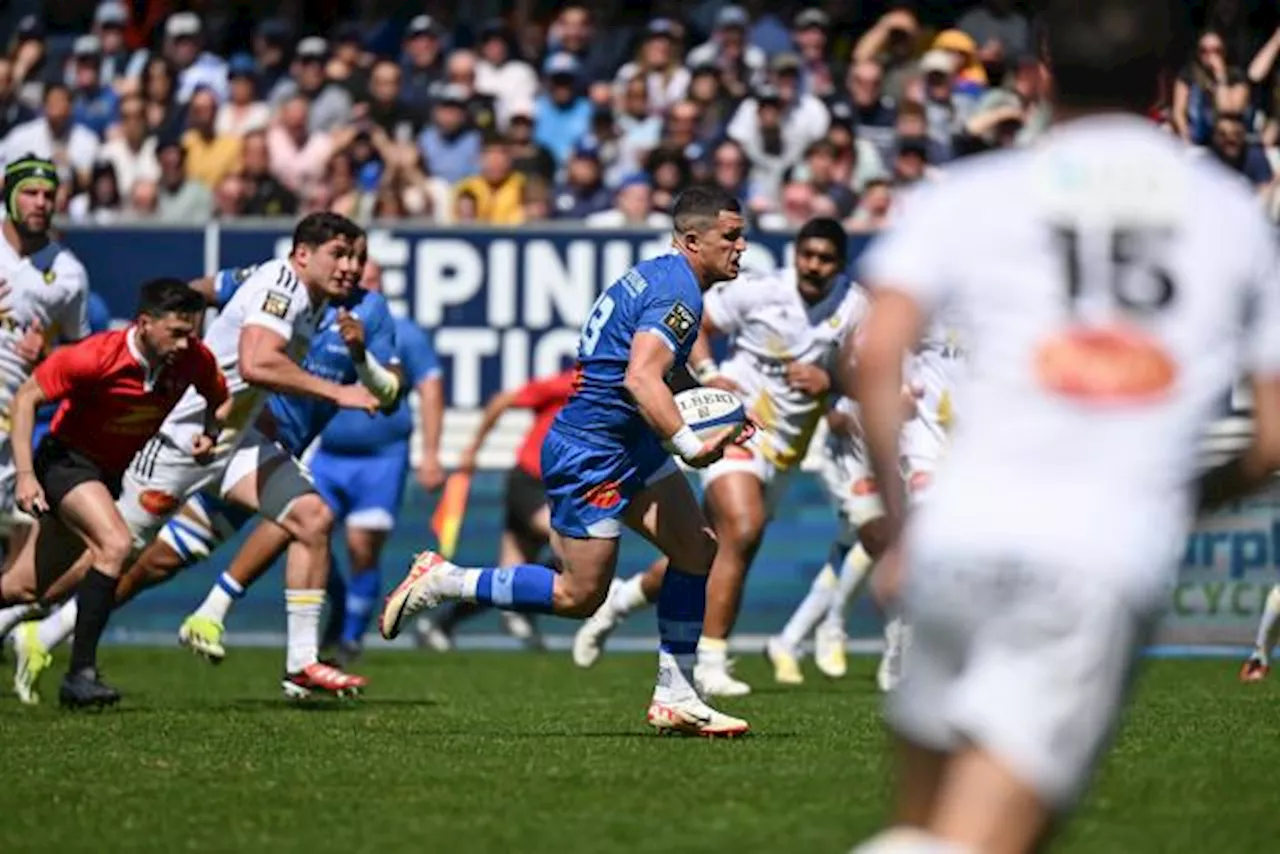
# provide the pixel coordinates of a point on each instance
(217, 410)
(892, 327)
(385, 382)
(703, 364)
(264, 361)
(28, 494)
(645, 381)
(205, 287)
(1248, 472)
(430, 472)
(493, 412)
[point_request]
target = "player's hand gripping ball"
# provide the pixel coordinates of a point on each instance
(708, 411)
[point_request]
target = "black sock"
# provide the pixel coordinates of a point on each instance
(95, 598)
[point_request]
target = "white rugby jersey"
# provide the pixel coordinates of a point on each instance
(51, 286)
(771, 325)
(273, 297)
(1110, 290)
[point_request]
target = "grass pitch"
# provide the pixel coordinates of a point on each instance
(493, 752)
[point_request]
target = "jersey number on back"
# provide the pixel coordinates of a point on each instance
(599, 316)
(1138, 284)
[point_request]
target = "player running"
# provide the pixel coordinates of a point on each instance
(116, 389)
(1258, 664)
(205, 521)
(605, 464)
(1114, 289)
(361, 466)
(526, 533)
(786, 330)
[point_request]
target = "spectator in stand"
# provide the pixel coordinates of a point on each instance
(95, 105)
(776, 125)
(945, 112)
(243, 111)
(422, 60)
(118, 62)
(1024, 94)
(330, 103)
(143, 200)
(537, 200)
(501, 76)
(1230, 144)
(159, 81)
(874, 208)
(55, 136)
(798, 204)
(131, 149)
(680, 131)
(180, 199)
(770, 32)
(891, 43)
(298, 155)
(658, 63)
(340, 194)
(913, 123)
(742, 66)
(31, 67)
(1000, 32)
(460, 71)
(561, 115)
(1207, 86)
(912, 162)
(819, 172)
(272, 41)
(583, 191)
(671, 173)
(1262, 75)
(632, 207)
(386, 108)
(210, 156)
(196, 67)
(498, 189)
(872, 111)
(997, 125)
(346, 67)
(264, 194)
(639, 130)
(809, 35)
(715, 104)
(101, 203)
(449, 143)
(731, 171)
(12, 111)
(528, 157)
(574, 32)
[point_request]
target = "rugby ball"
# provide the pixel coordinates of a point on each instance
(709, 410)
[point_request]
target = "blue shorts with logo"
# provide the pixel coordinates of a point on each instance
(366, 491)
(590, 484)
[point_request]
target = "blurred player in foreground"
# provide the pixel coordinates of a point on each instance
(1114, 288)
(526, 530)
(786, 330)
(206, 521)
(605, 463)
(1258, 664)
(116, 389)
(361, 466)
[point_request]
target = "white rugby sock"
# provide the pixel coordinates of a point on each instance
(221, 597)
(628, 596)
(713, 652)
(811, 609)
(675, 678)
(854, 574)
(58, 626)
(1267, 628)
(13, 615)
(302, 608)
(904, 840)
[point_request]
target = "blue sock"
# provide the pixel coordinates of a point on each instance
(362, 596)
(681, 604)
(527, 587)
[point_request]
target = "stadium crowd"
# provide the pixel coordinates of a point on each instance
(801, 110)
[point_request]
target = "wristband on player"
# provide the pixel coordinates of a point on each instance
(383, 384)
(706, 370)
(686, 443)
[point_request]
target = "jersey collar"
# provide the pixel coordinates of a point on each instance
(151, 372)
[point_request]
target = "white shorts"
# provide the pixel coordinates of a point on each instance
(8, 479)
(846, 473)
(742, 458)
(201, 525)
(1031, 666)
(164, 475)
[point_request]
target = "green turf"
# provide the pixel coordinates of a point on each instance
(515, 753)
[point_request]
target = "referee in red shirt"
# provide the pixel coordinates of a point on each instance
(116, 389)
(527, 528)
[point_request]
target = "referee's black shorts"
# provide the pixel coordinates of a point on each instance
(525, 497)
(60, 468)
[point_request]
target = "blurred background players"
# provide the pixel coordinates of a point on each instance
(361, 465)
(526, 533)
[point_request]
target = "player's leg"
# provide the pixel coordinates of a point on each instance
(666, 513)
(855, 569)
(526, 539)
(336, 479)
(626, 595)
(1258, 664)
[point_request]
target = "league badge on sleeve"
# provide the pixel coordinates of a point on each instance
(680, 320)
(276, 305)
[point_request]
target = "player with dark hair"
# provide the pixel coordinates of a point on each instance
(116, 389)
(787, 329)
(1111, 289)
(605, 464)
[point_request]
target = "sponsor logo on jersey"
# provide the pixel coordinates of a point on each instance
(157, 502)
(605, 495)
(681, 321)
(276, 304)
(1111, 365)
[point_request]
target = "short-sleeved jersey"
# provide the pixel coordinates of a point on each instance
(113, 401)
(770, 326)
(354, 433)
(1110, 289)
(659, 296)
(50, 286)
(299, 420)
(545, 397)
(273, 297)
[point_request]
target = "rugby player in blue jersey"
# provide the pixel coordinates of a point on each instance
(205, 522)
(605, 464)
(360, 469)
